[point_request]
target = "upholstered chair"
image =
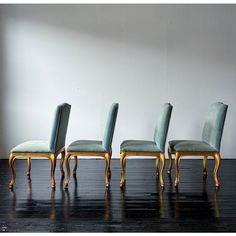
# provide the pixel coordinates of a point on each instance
(155, 147)
(50, 149)
(99, 148)
(208, 146)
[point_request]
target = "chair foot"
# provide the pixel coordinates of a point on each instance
(169, 173)
(74, 172)
(107, 185)
(204, 174)
(10, 186)
(28, 173)
(66, 186)
(122, 184)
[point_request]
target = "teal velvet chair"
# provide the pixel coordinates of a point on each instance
(208, 146)
(94, 147)
(155, 147)
(50, 149)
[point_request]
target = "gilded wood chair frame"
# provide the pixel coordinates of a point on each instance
(158, 155)
(178, 155)
(105, 155)
(52, 156)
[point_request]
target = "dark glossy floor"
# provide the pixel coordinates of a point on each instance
(141, 207)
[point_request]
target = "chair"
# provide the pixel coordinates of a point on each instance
(50, 149)
(148, 148)
(94, 147)
(209, 145)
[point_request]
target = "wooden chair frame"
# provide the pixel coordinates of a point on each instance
(105, 155)
(178, 155)
(51, 156)
(158, 155)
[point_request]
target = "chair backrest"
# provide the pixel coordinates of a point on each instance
(214, 124)
(162, 127)
(110, 127)
(59, 128)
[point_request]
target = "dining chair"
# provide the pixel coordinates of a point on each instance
(99, 148)
(40, 149)
(155, 147)
(208, 146)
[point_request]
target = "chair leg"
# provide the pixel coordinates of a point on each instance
(177, 162)
(204, 162)
(68, 156)
(62, 162)
(107, 169)
(28, 166)
(53, 159)
(123, 165)
(162, 157)
(11, 164)
(170, 162)
(216, 168)
(76, 165)
(157, 162)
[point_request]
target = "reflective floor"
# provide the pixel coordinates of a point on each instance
(141, 207)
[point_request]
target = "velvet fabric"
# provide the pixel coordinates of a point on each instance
(110, 127)
(86, 146)
(57, 137)
(139, 146)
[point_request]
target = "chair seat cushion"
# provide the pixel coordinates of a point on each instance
(86, 146)
(139, 146)
(34, 146)
(190, 146)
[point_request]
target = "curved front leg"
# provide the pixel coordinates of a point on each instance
(216, 168)
(53, 159)
(11, 164)
(162, 158)
(170, 162)
(63, 153)
(28, 166)
(107, 169)
(123, 165)
(177, 162)
(157, 162)
(68, 156)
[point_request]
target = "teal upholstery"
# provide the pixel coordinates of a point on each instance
(94, 145)
(214, 125)
(161, 130)
(57, 138)
(162, 127)
(59, 128)
(139, 146)
(86, 146)
(190, 146)
(211, 136)
(34, 146)
(110, 127)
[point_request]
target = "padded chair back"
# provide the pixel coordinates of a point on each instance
(214, 125)
(59, 128)
(110, 127)
(162, 127)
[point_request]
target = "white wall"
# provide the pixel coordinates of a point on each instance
(137, 55)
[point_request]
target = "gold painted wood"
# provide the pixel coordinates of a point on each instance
(158, 155)
(29, 156)
(170, 162)
(105, 155)
(215, 155)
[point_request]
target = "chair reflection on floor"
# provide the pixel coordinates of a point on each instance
(31, 205)
(74, 204)
(151, 208)
(205, 205)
